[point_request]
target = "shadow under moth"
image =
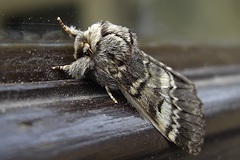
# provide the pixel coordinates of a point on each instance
(109, 54)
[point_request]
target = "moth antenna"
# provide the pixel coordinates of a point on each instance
(70, 30)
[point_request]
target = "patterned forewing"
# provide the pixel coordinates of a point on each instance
(168, 100)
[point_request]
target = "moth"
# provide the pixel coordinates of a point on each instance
(109, 54)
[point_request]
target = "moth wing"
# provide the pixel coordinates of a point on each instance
(167, 99)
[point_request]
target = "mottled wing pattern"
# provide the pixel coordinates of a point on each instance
(167, 99)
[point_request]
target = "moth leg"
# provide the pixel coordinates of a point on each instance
(110, 94)
(64, 68)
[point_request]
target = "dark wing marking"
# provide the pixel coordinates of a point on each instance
(166, 98)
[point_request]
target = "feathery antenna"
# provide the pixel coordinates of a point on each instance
(62, 24)
(70, 30)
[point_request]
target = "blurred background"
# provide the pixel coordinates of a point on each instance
(155, 21)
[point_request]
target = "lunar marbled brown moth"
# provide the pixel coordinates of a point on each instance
(110, 55)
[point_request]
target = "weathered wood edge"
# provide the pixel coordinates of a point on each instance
(77, 120)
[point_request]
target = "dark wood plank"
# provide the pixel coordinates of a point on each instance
(45, 114)
(77, 120)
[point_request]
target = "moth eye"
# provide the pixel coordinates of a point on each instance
(79, 53)
(86, 49)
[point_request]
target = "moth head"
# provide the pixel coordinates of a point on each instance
(81, 45)
(87, 43)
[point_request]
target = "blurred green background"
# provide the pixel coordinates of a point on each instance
(156, 21)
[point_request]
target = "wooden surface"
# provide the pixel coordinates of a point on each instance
(46, 115)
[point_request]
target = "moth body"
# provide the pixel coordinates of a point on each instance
(109, 54)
